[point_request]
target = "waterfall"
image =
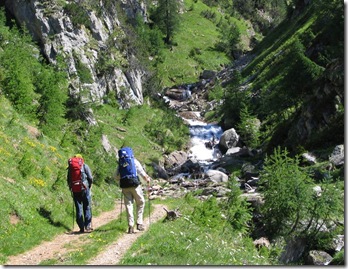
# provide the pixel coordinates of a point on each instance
(204, 137)
(200, 134)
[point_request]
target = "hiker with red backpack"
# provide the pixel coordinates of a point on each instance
(80, 181)
(127, 177)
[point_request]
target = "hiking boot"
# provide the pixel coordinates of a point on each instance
(130, 230)
(140, 227)
(88, 230)
(82, 231)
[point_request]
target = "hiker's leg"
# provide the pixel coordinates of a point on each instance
(128, 201)
(79, 212)
(140, 201)
(87, 209)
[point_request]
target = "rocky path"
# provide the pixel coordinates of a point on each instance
(113, 254)
(58, 246)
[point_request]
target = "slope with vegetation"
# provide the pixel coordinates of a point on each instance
(41, 127)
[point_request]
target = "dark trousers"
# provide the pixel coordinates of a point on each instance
(82, 202)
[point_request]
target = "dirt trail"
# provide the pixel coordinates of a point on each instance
(114, 252)
(57, 247)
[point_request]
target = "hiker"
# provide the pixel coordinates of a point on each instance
(127, 177)
(80, 181)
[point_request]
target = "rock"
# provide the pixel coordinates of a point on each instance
(337, 156)
(56, 34)
(229, 139)
(216, 176)
(255, 199)
(175, 159)
(317, 257)
(338, 243)
(207, 74)
(293, 250)
(261, 242)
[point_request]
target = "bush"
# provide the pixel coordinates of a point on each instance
(207, 213)
(238, 212)
(291, 206)
(249, 128)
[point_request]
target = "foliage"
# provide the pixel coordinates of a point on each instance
(248, 128)
(177, 64)
(52, 85)
(34, 102)
(291, 205)
(35, 164)
(217, 93)
(207, 214)
(19, 66)
(195, 239)
(238, 211)
(76, 109)
(168, 132)
(230, 38)
(83, 71)
(78, 14)
(268, 13)
(233, 99)
(338, 259)
(285, 81)
(166, 17)
(286, 193)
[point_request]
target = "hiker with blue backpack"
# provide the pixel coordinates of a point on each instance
(127, 177)
(80, 180)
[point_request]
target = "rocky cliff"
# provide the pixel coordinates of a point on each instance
(87, 37)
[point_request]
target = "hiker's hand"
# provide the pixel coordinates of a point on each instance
(147, 179)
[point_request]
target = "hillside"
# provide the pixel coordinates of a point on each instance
(85, 78)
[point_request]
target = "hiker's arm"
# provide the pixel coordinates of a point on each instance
(141, 171)
(89, 176)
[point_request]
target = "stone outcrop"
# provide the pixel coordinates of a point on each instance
(54, 29)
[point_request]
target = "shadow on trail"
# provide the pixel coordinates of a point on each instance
(47, 215)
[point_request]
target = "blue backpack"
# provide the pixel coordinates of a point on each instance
(127, 169)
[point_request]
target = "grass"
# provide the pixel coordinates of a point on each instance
(188, 240)
(130, 126)
(195, 32)
(185, 241)
(35, 196)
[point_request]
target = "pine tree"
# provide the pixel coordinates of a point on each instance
(166, 18)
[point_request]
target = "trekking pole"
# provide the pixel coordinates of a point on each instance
(73, 216)
(148, 199)
(121, 206)
(90, 206)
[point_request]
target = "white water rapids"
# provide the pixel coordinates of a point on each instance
(200, 134)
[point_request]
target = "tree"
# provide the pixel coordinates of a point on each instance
(52, 85)
(291, 206)
(166, 17)
(19, 66)
(248, 127)
(230, 39)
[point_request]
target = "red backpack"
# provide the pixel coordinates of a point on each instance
(75, 173)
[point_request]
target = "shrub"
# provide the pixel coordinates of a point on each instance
(248, 127)
(207, 213)
(238, 212)
(291, 205)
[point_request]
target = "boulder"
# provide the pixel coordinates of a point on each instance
(337, 156)
(216, 176)
(229, 139)
(317, 257)
(175, 159)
